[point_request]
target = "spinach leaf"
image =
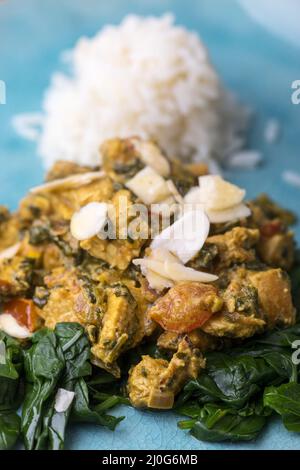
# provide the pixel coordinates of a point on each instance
(76, 350)
(232, 380)
(215, 423)
(9, 429)
(11, 390)
(84, 411)
(11, 365)
(44, 363)
(285, 400)
(239, 388)
(60, 359)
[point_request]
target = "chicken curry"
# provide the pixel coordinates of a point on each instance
(186, 298)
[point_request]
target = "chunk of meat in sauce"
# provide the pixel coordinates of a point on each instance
(154, 383)
(275, 299)
(240, 317)
(72, 298)
(63, 168)
(15, 277)
(9, 229)
(236, 246)
(169, 341)
(122, 328)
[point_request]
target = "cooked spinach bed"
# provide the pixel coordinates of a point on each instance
(33, 374)
(231, 401)
(242, 387)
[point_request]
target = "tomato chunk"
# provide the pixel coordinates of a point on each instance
(186, 307)
(24, 311)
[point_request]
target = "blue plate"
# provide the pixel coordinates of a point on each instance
(257, 66)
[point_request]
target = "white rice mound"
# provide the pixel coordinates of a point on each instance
(145, 77)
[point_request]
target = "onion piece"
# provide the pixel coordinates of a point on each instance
(10, 326)
(89, 220)
(72, 181)
(63, 400)
(10, 252)
(186, 236)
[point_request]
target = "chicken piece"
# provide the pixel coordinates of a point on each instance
(120, 251)
(72, 298)
(122, 328)
(233, 325)
(15, 277)
(186, 306)
(169, 340)
(264, 209)
(55, 242)
(241, 316)
(197, 169)
(278, 250)
(32, 207)
(143, 378)
(62, 202)
(275, 299)
(236, 246)
(120, 159)
(65, 202)
(139, 289)
(63, 168)
(9, 229)
(153, 383)
(276, 247)
(183, 177)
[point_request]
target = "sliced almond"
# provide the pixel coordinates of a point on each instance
(149, 186)
(179, 273)
(240, 211)
(158, 282)
(186, 236)
(10, 252)
(217, 194)
(151, 155)
(89, 220)
(165, 208)
(163, 274)
(177, 196)
(11, 327)
(72, 181)
(193, 196)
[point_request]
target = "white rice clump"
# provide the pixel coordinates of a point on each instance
(145, 77)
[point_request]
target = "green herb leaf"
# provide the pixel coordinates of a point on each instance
(9, 430)
(285, 400)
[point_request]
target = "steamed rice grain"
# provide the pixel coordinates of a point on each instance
(145, 77)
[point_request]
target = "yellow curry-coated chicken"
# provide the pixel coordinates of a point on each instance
(153, 383)
(93, 280)
(122, 328)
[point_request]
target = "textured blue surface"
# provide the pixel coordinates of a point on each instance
(259, 67)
